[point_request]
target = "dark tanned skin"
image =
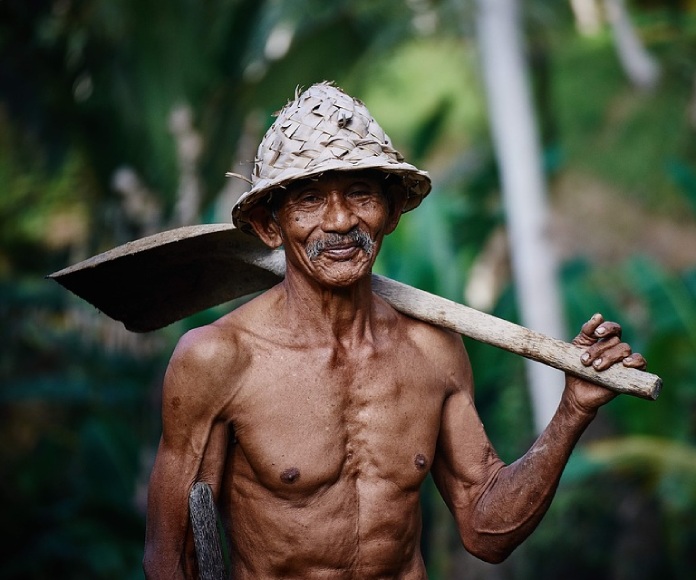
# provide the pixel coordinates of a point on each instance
(316, 411)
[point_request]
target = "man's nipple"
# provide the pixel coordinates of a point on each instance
(290, 475)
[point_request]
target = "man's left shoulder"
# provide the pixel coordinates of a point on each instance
(429, 335)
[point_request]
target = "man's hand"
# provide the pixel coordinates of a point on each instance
(602, 348)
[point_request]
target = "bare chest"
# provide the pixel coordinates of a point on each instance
(305, 421)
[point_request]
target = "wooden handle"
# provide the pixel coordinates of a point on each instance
(206, 538)
(512, 337)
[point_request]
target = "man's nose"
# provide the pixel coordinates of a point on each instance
(339, 216)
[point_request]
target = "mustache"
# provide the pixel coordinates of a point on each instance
(355, 236)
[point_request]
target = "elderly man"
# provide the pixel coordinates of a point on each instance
(315, 411)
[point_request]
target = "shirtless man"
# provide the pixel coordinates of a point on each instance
(315, 411)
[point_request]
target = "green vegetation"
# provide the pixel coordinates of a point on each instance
(87, 87)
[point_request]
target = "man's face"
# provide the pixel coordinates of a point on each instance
(332, 227)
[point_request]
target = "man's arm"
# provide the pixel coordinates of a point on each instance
(192, 448)
(497, 506)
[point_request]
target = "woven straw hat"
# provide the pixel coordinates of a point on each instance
(324, 129)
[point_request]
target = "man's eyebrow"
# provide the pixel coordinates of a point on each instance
(367, 182)
(303, 189)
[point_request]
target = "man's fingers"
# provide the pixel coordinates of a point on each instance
(591, 325)
(606, 329)
(605, 353)
(603, 346)
(587, 332)
(596, 329)
(635, 361)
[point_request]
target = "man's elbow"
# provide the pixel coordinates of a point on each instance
(490, 548)
(490, 554)
(161, 561)
(150, 565)
(153, 567)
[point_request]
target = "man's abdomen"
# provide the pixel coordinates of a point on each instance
(352, 529)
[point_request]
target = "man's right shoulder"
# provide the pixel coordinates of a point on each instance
(204, 344)
(207, 366)
(212, 342)
(228, 341)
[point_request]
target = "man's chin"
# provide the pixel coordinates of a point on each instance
(342, 274)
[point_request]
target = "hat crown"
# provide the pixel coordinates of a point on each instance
(321, 130)
(321, 125)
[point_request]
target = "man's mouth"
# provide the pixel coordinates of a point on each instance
(341, 245)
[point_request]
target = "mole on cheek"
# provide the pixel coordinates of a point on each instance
(290, 475)
(420, 461)
(176, 402)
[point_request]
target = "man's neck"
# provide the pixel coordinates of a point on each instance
(343, 314)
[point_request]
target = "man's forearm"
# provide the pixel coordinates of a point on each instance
(166, 543)
(518, 495)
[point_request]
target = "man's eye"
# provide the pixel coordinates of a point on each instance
(361, 193)
(307, 197)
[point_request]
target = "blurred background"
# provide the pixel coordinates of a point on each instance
(120, 119)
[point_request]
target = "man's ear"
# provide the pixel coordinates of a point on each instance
(265, 226)
(396, 194)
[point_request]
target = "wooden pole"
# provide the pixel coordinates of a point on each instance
(206, 537)
(518, 151)
(155, 281)
(512, 337)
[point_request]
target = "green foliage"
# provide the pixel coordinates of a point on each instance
(605, 127)
(58, 200)
(662, 328)
(74, 420)
(452, 106)
(624, 503)
(684, 176)
(88, 86)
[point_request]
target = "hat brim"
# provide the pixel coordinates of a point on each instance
(417, 184)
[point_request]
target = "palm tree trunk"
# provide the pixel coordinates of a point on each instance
(516, 143)
(640, 67)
